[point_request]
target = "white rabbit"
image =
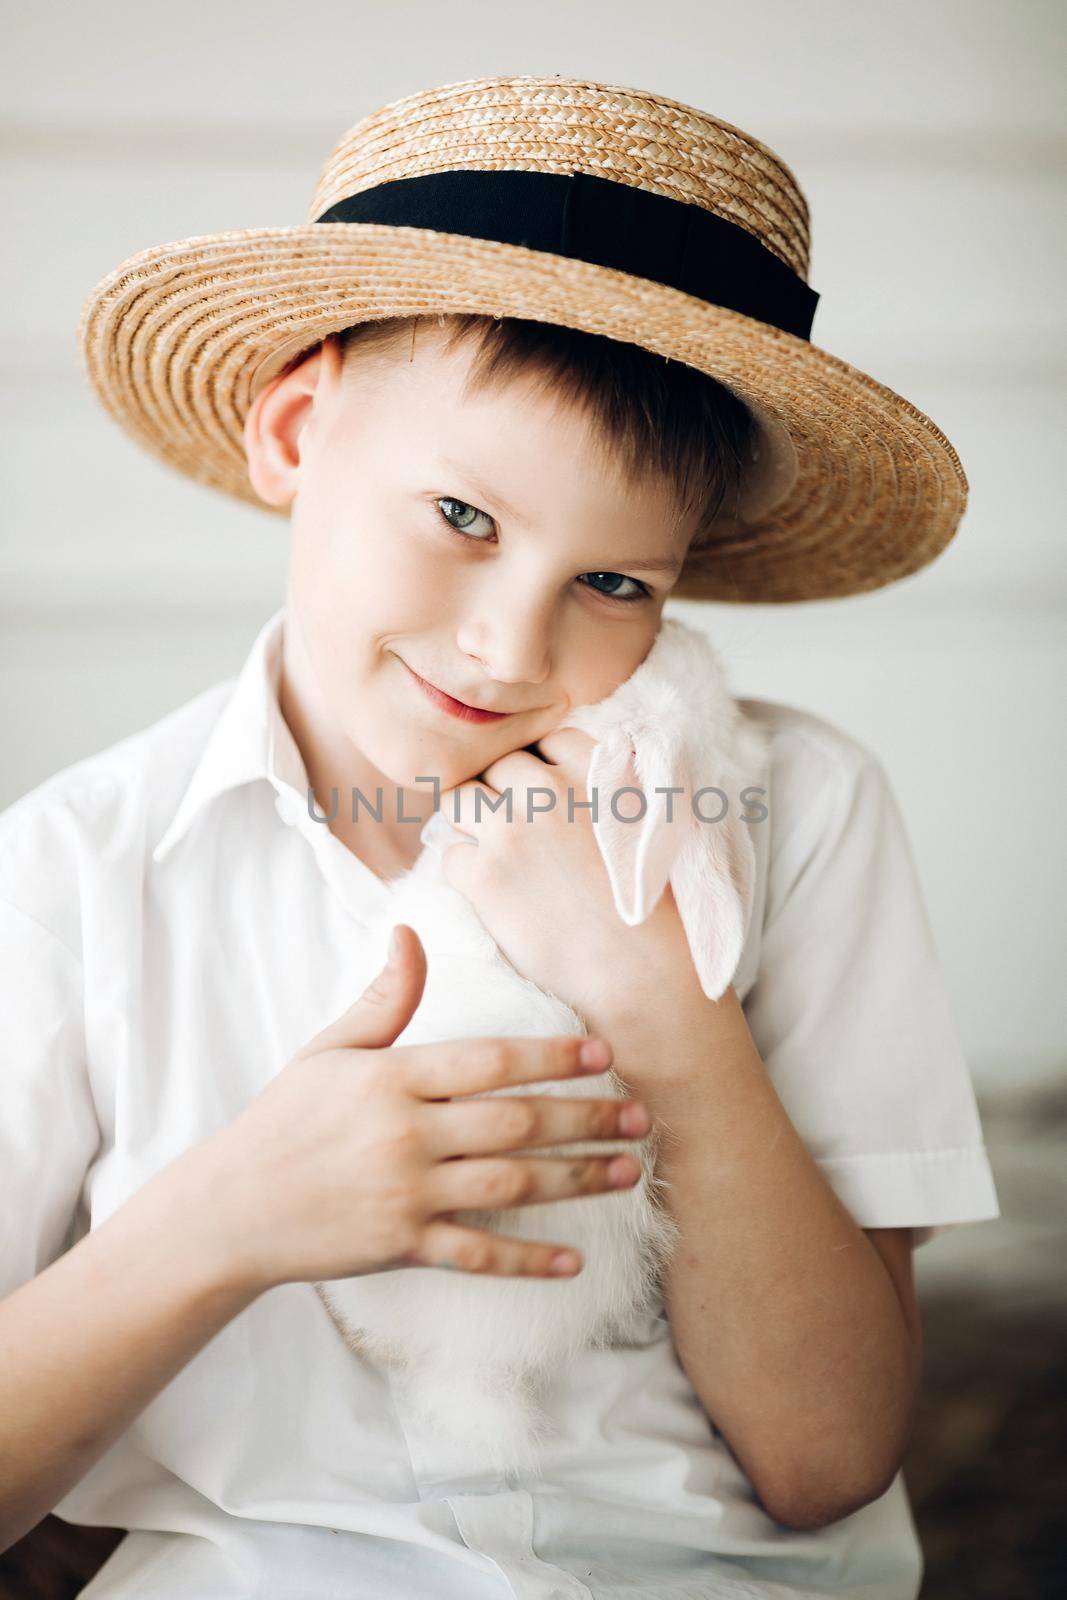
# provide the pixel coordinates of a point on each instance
(469, 1351)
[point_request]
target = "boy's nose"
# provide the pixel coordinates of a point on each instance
(512, 645)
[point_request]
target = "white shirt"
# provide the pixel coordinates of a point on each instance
(174, 926)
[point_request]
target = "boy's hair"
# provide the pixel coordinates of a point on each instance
(659, 417)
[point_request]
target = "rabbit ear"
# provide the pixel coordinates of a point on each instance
(713, 883)
(639, 854)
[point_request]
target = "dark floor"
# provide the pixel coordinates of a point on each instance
(986, 1469)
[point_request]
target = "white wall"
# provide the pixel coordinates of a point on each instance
(929, 139)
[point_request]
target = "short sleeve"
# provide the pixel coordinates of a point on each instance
(48, 1127)
(849, 1008)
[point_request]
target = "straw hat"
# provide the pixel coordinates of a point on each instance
(608, 209)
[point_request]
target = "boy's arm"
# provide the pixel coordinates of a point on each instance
(93, 1338)
(797, 1330)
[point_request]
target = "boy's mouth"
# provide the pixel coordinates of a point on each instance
(456, 708)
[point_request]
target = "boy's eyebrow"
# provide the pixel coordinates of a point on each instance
(482, 489)
(643, 563)
(653, 563)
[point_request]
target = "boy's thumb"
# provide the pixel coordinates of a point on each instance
(386, 1005)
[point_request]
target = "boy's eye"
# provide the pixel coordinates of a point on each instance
(460, 516)
(463, 514)
(639, 591)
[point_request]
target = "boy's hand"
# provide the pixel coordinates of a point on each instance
(542, 891)
(355, 1156)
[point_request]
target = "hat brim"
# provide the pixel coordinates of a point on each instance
(863, 488)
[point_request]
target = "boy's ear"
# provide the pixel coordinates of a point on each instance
(277, 418)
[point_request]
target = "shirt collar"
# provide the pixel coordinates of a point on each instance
(250, 739)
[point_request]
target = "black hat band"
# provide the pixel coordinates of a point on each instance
(606, 223)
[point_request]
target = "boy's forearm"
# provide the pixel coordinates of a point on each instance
(93, 1338)
(784, 1316)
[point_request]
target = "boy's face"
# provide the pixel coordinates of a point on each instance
(475, 541)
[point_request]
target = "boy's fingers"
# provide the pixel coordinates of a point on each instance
(475, 1066)
(449, 1245)
(386, 1005)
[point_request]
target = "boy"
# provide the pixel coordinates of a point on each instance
(194, 1095)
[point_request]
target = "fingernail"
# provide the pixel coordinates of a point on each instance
(634, 1120)
(595, 1053)
(623, 1170)
(394, 948)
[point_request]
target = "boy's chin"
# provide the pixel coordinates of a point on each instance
(417, 771)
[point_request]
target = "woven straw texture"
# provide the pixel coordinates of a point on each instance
(177, 341)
